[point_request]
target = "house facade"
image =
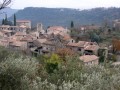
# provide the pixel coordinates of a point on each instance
(84, 47)
(26, 23)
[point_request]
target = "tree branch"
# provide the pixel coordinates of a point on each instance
(4, 3)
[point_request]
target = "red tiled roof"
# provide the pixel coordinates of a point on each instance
(92, 47)
(56, 28)
(79, 44)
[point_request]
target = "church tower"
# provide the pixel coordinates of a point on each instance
(39, 27)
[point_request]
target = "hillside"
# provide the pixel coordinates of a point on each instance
(63, 16)
(8, 11)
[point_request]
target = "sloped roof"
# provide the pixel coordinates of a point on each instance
(23, 21)
(20, 34)
(5, 31)
(38, 42)
(88, 58)
(79, 44)
(23, 26)
(56, 28)
(92, 47)
(83, 44)
(17, 43)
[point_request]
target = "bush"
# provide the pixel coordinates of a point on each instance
(22, 73)
(14, 69)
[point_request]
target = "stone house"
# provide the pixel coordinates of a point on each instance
(37, 48)
(17, 45)
(56, 30)
(6, 33)
(26, 23)
(88, 28)
(21, 28)
(84, 47)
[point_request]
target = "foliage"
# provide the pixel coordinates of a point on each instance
(13, 70)
(3, 22)
(116, 45)
(94, 37)
(14, 20)
(6, 21)
(4, 54)
(52, 63)
(20, 72)
(112, 58)
(63, 52)
(101, 54)
(72, 24)
(4, 3)
(73, 32)
(65, 15)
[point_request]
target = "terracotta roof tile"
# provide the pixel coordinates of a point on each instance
(92, 47)
(56, 28)
(17, 43)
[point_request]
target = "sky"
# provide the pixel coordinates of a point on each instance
(78, 4)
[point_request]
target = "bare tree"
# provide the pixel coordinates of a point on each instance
(4, 3)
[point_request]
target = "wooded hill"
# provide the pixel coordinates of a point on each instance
(63, 16)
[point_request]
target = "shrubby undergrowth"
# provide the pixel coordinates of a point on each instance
(19, 72)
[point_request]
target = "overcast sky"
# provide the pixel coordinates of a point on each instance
(81, 4)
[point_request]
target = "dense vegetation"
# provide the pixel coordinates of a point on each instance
(20, 72)
(63, 16)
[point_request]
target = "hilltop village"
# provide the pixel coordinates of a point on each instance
(53, 40)
(59, 48)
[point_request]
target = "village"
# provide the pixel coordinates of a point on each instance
(59, 45)
(54, 39)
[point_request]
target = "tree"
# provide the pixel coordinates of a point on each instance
(116, 45)
(6, 20)
(72, 24)
(52, 63)
(63, 52)
(3, 22)
(94, 37)
(14, 20)
(4, 3)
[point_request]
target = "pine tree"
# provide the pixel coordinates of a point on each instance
(14, 20)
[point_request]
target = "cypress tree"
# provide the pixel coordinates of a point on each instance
(6, 20)
(72, 24)
(14, 20)
(3, 22)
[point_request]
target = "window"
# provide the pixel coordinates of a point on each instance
(72, 41)
(79, 49)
